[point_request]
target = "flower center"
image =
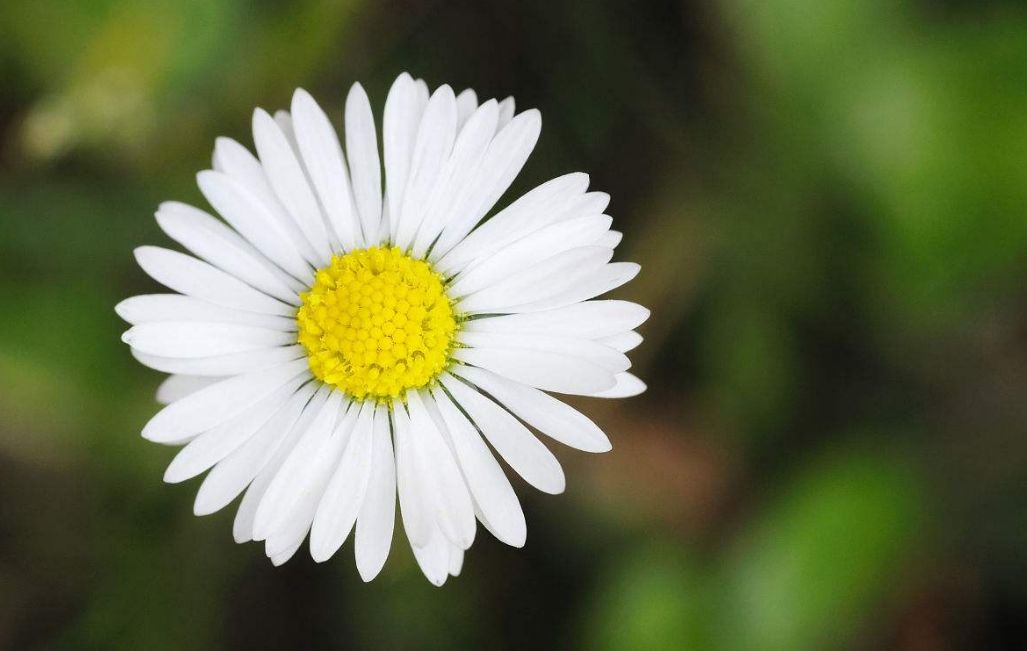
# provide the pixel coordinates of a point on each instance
(376, 322)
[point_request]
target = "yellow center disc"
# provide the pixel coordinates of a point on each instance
(376, 323)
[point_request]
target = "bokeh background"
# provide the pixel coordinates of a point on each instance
(829, 202)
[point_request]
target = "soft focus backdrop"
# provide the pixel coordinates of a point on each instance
(829, 202)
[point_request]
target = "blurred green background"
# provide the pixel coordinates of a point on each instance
(829, 202)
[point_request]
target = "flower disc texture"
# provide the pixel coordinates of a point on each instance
(360, 324)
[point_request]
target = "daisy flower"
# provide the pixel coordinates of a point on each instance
(353, 328)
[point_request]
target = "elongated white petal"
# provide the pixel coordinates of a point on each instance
(541, 206)
(595, 352)
(218, 403)
(283, 556)
(193, 339)
(453, 510)
(242, 527)
(433, 557)
(290, 183)
(222, 365)
(234, 473)
(590, 203)
(605, 279)
(283, 120)
(258, 218)
(456, 561)
(466, 104)
(503, 160)
(215, 444)
(545, 413)
(324, 162)
(374, 529)
(531, 250)
(151, 308)
(543, 370)
(588, 320)
(623, 342)
(485, 479)
(435, 137)
(610, 239)
(627, 385)
(457, 175)
(364, 164)
(506, 112)
(210, 240)
(187, 275)
(512, 440)
(403, 111)
(339, 506)
(289, 486)
(176, 387)
(414, 499)
(552, 277)
(308, 489)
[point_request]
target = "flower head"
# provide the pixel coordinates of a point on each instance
(332, 345)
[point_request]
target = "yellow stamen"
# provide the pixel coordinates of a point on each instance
(376, 323)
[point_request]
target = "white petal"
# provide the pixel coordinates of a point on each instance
(414, 499)
(552, 277)
(222, 365)
(435, 137)
(611, 239)
(324, 161)
(150, 308)
(292, 482)
(506, 112)
(624, 341)
(242, 528)
(466, 104)
(176, 387)
(503, 160)
(290, 184)
(307, 488)
(627, 386)
(589, 320)
(605, 279)
(194, 339)
(281, 557)
(525, 215)
(452, 507)
(489, 486)
(403, 110)
(456, 560)
(210, 240)
(233, 473)
(187, 275)
(590, 203)
(595, 352)
(433, 557)
(530, 251)
(245, 200)
(215, 444)
(377, 517)
(218, 403)
(512, 440)
(459, 172)
(339, 506)
(545, 413)
(283, 120)
(364, 164)
(542, 370)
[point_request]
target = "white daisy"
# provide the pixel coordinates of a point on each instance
(331, 344)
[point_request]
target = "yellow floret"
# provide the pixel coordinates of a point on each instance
(376, 322)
